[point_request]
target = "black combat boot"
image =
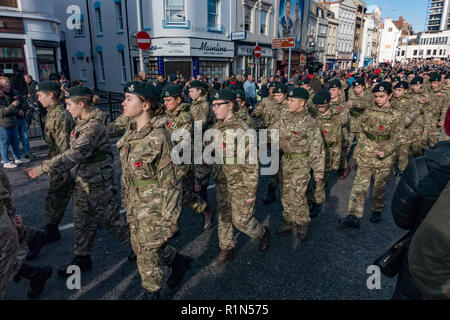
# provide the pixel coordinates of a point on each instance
(303, 232)
(204, 193)
(51, 233)
(265, 240)
(84, 262)
(224, 256)
(147, 295)
(35, 245)
(38, 277)
(286, 229)
(132, 256)
(179, 267)
(208, 218)
(315, 210)
(375, 217)
(351, 221)
(270, 197)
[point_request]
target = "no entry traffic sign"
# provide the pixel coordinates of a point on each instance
(257, 52)
(143, 40)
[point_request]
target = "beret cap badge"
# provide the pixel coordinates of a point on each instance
(131, 88)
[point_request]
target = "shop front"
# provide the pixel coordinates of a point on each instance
(345, 61)
(246, 62)
(330, 65)
(46, 58)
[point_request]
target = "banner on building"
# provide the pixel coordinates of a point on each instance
(290, 20)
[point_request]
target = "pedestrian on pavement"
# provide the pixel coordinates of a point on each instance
(9, 110)
(161, 83)
(150, 180)
(250, 91)
(58, 126)
(91, 158)
(417, 191)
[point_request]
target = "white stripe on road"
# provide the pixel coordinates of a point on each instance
(66, 226)
(211, 186)
(97, 280)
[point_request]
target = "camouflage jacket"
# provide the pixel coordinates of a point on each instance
(312, 109)
(385, 124)
(200, 111)
(239, 177)
(408, 108)
(145, 157)
(439, 105)
(342, 109)
(262, 110)
(6, 201)
(299, 133)
(119, 126)
(276, 111)
(360, 103)
(243, 115)
(58, 126)
(89, 151)
(179, 118)
(422, 99)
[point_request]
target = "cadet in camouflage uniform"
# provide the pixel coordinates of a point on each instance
(154, 192)
(242, 112)
(305, 83)
(272, 114)
(178, 117)
(236, 183)
(331, 129)
(119, 126)
(303, 149)
(10, 263)
(200, 111)
(91, 159)
(339, 107)
(58, 126)
(358, 100)
(381, 129)
(439, 104)
(261, 110)
(422, 99)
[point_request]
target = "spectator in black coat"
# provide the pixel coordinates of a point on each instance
(419, 188)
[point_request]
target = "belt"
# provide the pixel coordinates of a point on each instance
(142, 183)
(296, 156)
(356, 112)
(329, 144)
(377, 138)
(234, 160)
(98, 157)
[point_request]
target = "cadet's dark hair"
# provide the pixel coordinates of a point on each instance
(156, 108)
(88, 101)
(56, 94)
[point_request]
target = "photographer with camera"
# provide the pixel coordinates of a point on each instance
(10, 103)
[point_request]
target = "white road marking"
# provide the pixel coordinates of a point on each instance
(66, 226)
(211, 186)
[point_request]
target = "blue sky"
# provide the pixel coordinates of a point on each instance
(413, 11)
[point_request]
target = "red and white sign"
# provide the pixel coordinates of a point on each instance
(257, 52)
(143, 40)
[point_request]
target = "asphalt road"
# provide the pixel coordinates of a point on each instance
(332, 264)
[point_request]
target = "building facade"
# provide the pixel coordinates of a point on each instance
(29, 40)
(438, 15)
(389, 41)
(371, 39)
(345, 11)
(331, 37)
(359, 27)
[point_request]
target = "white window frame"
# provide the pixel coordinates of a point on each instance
(168, 8)
(250, 29)
(216, 14)
(119, 15)
(265, 22)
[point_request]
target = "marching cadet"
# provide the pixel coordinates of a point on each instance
(58, 126)
(200, 111)
(178, 117)
(91, 159)
(10, 263)
(263, 107)
(242, 112)
(358, 100)
(375, 80)
(411, 114)
(303, 149)
(118, 126)
(305, 83)
(381, 128)
(273, 114)
(331, 128)
(236, 183)
(422, 99)
(439, 104)
(341, 108)
(154, 192)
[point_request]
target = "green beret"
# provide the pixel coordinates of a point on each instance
(299, 93)
(402, 85)
(417, 80)
(48, 86)
(142, 89)
(411, 72)
(280, 88)
(359, 82)
(224, 94)
(196, 84)
(376, 80)
(304, 81)
(172, 90)
(435, 77)
(383, 87)
(78, 91)
(240, 94)
(447, 76)
(205, 86)
(398, 79)
(336, 83)
(322, 97)
(273, 84)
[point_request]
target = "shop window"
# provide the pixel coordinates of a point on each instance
(152, 70)
(46, 60)
(8, 3)
(119, 16)
(11, 53)
(213, 70)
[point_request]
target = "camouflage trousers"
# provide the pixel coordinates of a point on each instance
(274, 179)
(361, 187)
(152, 253)
(205, 172)
(402, 156)
(233, 210)
(9, 249)
(59, 192)
(433, 136)
(191, 199)
(294, 184)
(346, 146)
(351, 137)
(26, 233)
(316, 190)
(95, 206)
